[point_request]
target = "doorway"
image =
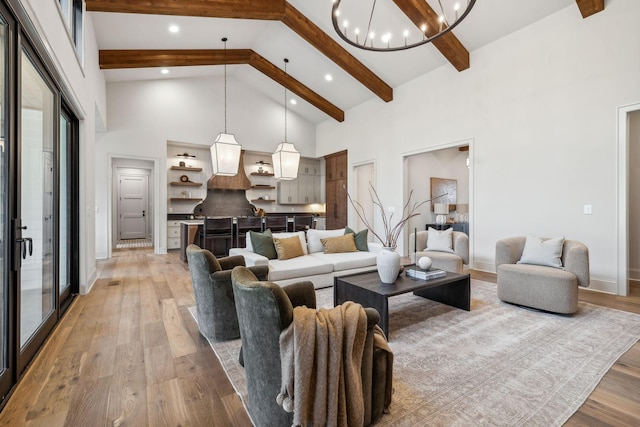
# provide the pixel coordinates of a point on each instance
(132, 208)
(364, 175)
(133, 199)
(451, 162)
(629, 196)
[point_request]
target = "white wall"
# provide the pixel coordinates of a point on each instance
(540, 107)
(144, 115)
(85, 83)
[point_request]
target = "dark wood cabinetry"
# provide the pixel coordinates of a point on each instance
(336, 190)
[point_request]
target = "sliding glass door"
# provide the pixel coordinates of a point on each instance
(35, 225)
(68, 238)
(6, 372)
(39, 213)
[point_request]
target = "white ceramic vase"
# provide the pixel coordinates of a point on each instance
(388, 263)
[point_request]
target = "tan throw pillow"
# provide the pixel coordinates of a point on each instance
(289, 247)
(336, 245)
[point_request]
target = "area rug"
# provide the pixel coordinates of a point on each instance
(497, 365)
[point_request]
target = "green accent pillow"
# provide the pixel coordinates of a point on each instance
(360, 237)
(263, 244)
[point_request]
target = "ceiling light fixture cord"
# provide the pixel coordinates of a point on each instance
(285, 99)
(444, 16)
(224, 39)
(373, 7)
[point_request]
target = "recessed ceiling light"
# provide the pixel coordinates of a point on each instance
(164, 71)
(174, 28)
(328, 77)
(293, 102)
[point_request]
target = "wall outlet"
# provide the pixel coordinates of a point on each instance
(391, 209)
(587, 210)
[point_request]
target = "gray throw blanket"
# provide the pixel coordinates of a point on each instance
(321, 356)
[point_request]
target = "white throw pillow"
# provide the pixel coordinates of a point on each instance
(542, 251)
(248, 246)
(440, 240)
(314, 236)
(300, 235)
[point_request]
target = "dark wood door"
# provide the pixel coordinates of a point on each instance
(336, 190)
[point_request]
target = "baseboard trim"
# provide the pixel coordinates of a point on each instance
(634, 274)
(91, 280)
(484, 267)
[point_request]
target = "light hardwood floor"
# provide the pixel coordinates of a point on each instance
(129, 354)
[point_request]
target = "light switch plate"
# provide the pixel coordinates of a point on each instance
(587, 209)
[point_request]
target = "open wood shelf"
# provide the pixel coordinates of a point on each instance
(263, 187)
(186, 184)
(261, 174)
(184, 168)
(262, 200)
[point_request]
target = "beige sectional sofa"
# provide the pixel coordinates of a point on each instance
(314, 265)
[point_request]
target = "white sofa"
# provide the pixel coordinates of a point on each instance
(315, 265)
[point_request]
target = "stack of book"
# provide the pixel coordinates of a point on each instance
(418, 273)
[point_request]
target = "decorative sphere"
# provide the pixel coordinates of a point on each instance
(425, 263)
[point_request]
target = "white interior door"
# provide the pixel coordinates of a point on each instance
(132, 208)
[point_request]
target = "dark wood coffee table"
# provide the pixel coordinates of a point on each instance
(366, 288)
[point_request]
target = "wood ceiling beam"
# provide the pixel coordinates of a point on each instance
(419, 12)
(243, 9)
(286, 80)
(251, 9)
(589, 7)
(115, 59)
(317, 38)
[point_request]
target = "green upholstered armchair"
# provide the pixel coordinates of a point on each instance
(211, 280)
(264, 311)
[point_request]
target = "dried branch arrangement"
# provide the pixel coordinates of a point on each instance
(391, 232)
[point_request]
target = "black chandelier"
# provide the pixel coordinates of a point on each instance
(359, 31)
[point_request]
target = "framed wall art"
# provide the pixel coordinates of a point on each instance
(444, 186)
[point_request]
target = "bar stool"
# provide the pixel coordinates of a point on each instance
(217, 235)
(302, 222)
(276, 223)
(244, 224)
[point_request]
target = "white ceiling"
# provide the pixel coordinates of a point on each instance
(488, 21)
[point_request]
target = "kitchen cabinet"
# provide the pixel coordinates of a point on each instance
(306, 188)
(173, 234)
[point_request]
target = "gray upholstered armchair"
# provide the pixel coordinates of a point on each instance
(448, 261)
(538, 286)
(211, 280)
(264, 311)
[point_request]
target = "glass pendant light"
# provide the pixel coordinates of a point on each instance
(286, 158)
(225, 151)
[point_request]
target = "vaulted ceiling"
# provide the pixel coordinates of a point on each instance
(135, 42)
